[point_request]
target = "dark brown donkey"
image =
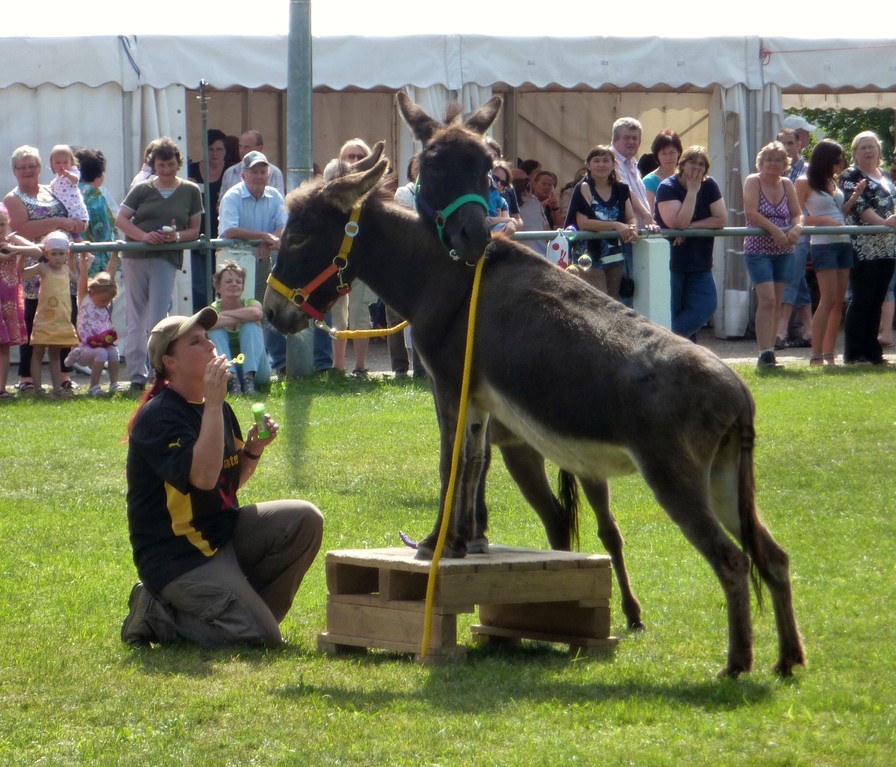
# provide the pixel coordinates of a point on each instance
(589, 384)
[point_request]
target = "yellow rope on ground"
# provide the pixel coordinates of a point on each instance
(372, 333)
(455, 459)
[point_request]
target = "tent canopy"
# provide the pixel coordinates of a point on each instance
(453, 60)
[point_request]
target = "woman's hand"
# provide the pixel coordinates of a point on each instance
(254, 443)
(627, 232)
(217, 374)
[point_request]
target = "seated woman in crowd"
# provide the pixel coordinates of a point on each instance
(238, 329)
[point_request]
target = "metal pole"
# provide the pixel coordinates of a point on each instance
(206, 253)
(300, 140)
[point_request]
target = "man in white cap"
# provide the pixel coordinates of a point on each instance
(254, 210)
(804, 129)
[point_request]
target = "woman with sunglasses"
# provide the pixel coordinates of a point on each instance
(498, 218)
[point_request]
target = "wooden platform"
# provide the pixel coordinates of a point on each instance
(377, 600)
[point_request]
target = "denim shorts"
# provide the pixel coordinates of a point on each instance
(831, 255)
(770, 268)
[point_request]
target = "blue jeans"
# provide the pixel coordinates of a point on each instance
(694, 300)
(797, 294)
(628, 259)
(275, 342)
(251, 345)
(323, 346)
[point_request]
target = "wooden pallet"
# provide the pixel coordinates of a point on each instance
(377, 600)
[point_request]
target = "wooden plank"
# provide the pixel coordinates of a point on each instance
(563, 618)
(499, 558)
(579, 643)
(376, 624)
(522, 586)
(414, 605)
(336, 644)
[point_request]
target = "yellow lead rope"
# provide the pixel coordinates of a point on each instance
(455, 459)
(372, 333)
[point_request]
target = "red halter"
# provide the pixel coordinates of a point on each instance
(336, 267)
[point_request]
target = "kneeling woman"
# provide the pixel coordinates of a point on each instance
(212, 572)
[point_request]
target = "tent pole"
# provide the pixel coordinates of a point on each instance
(300, 139)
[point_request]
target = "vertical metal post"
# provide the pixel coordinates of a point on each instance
(206, 253)
(299, 148)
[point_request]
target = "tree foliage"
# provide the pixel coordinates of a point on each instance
(842, 125)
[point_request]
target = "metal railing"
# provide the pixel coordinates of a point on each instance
(205, 244)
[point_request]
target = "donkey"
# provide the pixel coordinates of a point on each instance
(586, 382)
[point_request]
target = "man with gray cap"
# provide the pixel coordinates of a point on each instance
(211, 571)
(254, 210)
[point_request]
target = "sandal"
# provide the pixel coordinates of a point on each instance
(5, 394)
(26, 387)
(69, 385)
(816, 360)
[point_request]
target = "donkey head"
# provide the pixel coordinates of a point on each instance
(453, 178)
(315, 265)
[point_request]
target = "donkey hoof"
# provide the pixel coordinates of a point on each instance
(427, 550)
(478, 546)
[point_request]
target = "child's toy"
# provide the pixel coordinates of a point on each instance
(258, 414)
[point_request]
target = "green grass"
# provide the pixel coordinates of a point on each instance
(366, 453)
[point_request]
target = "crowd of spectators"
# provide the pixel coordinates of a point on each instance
(617, 189)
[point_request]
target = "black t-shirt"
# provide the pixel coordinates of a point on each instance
(175, 527)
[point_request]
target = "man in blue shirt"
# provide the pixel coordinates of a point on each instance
(253, 210)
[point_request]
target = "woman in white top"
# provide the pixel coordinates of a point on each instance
(831, 254)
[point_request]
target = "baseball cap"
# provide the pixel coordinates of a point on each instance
(796, 122)
(174, 327)
(254, 158)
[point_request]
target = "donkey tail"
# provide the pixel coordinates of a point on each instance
(746, 501)
(568, 496)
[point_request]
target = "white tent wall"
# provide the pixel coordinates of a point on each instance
(104, 117)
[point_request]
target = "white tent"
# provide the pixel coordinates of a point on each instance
(562, 93)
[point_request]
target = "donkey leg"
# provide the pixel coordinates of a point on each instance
(526, 467)
(479, 535)
(598, 495)
(469, 474)
(684, 494)
(732, 477)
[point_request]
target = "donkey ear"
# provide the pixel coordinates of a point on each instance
(345, 191)
(420, 123)
(368, 162)
(482, 118)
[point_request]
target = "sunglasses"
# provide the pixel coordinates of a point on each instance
(500, 181)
